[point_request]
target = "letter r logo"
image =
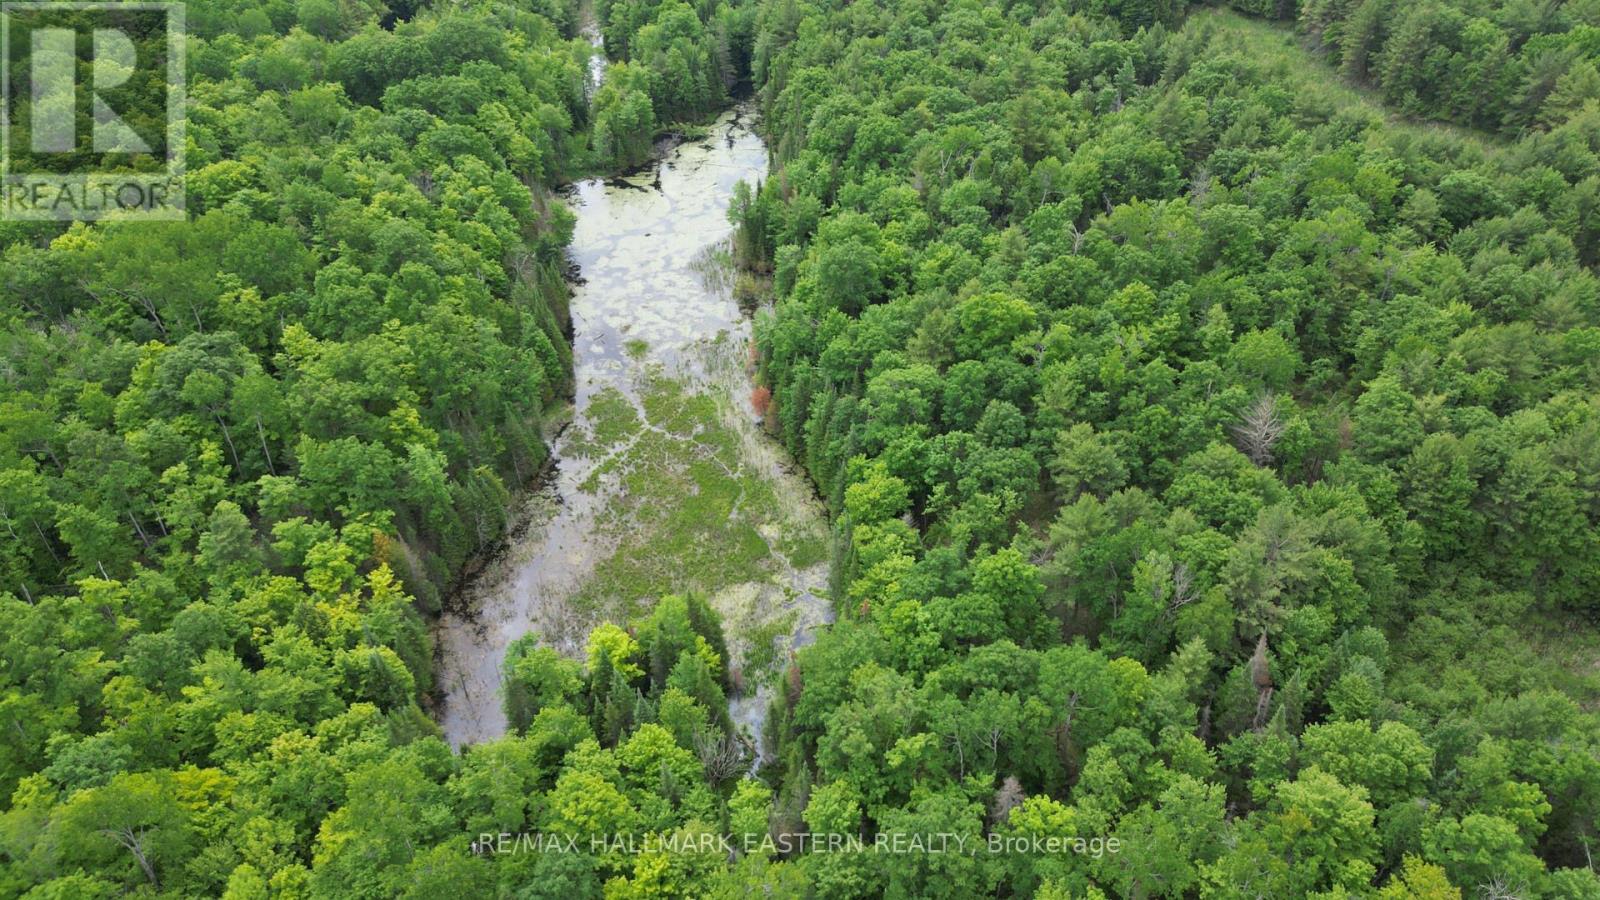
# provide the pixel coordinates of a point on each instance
(55, 91)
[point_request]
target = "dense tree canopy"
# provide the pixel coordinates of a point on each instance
(1209, 450)
(242, 456)
(1213, 452)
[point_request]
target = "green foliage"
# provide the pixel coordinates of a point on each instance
(239, 454)
(670, 63)
(1159, 383)
(1213, 460)
(1499, 66)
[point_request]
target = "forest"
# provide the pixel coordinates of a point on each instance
(1205, 399)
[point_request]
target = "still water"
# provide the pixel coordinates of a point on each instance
(652, 306)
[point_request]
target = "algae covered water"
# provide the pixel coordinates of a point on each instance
(663, 482)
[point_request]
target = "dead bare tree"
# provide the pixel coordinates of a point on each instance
(1499, 888)
(991, 738)
(1009, 797)
(723, 756)
(1260, 670)
(1261, 676)
(1259, 428)
(1174, 592)
(1182, 587)
(132, 839)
